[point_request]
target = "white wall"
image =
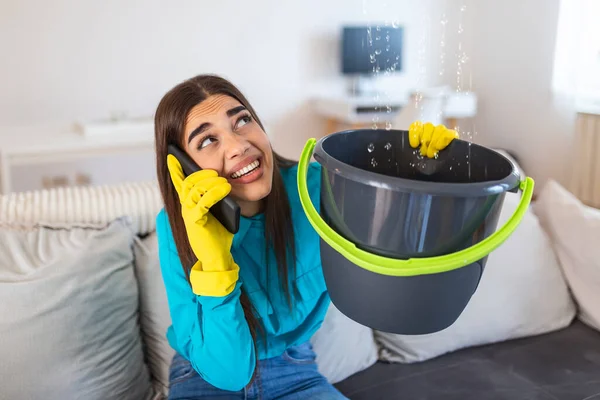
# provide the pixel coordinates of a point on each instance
(511, 46)
(64, 60)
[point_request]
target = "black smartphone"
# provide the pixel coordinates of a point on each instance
(226, 211)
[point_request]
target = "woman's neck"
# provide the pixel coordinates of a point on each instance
(250, 208)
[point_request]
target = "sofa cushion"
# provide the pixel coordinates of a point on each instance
(575, 232)
(69, 306)
(522, 293)
(343, 347)
(154, 312)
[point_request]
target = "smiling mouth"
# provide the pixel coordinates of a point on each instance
(246, 170)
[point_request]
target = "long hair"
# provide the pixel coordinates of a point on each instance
(169, 122)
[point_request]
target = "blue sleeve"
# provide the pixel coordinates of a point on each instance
(210, 332)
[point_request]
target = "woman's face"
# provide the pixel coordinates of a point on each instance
(220, 134)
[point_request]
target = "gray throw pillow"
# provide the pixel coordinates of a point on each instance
(343, 346)
(69, 314)
(155, 317)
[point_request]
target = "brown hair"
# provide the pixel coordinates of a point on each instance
(169, 122)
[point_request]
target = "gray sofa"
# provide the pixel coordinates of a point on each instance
(84, 313)
(561, 365)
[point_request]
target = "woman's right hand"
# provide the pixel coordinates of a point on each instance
(209, 239)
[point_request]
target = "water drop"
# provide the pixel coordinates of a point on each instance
(371, 147)
(463, 7)
(450, 168)
(378, 28)
(388, 109)
(374, 126)
(444, 21)
(378, 51)
(395, 24)
(373, 162)
(372, 58)
(388, 126)
(378, 37)
(388, 146)
(387, 48)
(387, 37)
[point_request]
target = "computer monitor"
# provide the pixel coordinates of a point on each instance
(361, 54)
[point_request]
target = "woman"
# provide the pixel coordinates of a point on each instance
(243, 306)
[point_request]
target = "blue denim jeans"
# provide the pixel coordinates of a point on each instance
(291, 376)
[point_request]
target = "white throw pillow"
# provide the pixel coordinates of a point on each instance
(155, 317)
(69, 307)
(343, 347)
(575, 231)
(522, 293)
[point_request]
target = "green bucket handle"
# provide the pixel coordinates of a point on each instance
(412, 266)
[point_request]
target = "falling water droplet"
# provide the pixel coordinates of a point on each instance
(371, 147)
(451, 168)
(388, 146)
(373, 162)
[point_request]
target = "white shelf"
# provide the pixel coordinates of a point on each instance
(347, 108)
(44, 144)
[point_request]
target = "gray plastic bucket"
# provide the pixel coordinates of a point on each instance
(404, 241)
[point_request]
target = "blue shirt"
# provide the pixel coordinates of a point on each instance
(212, 332)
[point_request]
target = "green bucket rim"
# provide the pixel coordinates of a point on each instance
(412, 266)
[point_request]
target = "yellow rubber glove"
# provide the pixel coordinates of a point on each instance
(215, 273)
(431, 138)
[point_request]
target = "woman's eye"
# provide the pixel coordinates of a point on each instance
(243, 121)
(206, 142)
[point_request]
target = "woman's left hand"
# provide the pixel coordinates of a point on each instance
(431, 138)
